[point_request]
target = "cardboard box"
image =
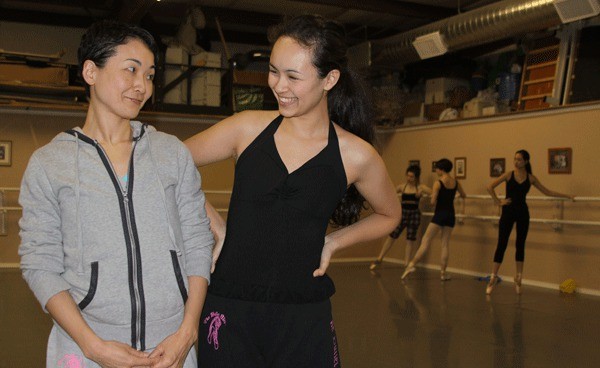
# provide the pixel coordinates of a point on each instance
(436, 89)
(206, 83)
(50, 75)
(250, 78)
(433, 111)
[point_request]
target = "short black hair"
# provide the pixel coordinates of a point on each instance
(444, 164)
(100, 40)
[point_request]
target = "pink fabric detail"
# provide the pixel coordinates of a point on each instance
(336, 355)
(71, 361)
(216, 320)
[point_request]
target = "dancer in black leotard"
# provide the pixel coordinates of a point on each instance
(444, 191)
(515, 210)
(296, 168)
(411, 193)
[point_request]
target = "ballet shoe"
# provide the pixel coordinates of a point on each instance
(375, 265)
(409, 269)
(490, 286)
(444, 276)
(518, 284)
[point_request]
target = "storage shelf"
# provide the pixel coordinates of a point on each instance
(541, 65)
(543, 49)
(541, 80)
(534, 97)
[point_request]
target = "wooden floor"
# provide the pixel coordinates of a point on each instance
(382, 322)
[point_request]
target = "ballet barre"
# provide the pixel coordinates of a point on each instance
(533, 220)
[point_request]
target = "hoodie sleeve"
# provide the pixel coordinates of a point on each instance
(41, 247)
(198, 240)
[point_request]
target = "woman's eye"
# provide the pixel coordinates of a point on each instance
(150, 77)
(131, 69)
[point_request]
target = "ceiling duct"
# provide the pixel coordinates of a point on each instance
(490, 23)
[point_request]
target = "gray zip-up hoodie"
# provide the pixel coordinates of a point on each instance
(123, 251)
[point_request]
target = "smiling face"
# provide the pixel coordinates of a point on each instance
(294, 79)
(124, 84)
(411, 178)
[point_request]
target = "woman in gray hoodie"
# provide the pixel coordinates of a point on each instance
(116, 245)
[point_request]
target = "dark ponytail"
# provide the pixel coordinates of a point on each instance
(348, 102)
(525, 156)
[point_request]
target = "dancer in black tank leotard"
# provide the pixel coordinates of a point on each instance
(515, 210)
(411, 193)
(296, 169)
(444, 191)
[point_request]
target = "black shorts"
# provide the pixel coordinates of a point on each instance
(411, 219)
(444, 218)
(236, 333)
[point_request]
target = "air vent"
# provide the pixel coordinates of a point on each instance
(430, 45)
(572, 10)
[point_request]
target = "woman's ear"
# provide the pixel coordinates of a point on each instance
(331, 79)
(89, 72)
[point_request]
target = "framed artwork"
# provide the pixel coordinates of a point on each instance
(414, 163)
(5, 153)
(497, 167)
(433, 166)
(560, 160)
(460, 167)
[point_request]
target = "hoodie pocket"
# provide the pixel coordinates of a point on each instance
(179, 276)
(93, 285)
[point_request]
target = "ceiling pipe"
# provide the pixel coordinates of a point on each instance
(490, 23)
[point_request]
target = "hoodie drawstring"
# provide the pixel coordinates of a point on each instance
(77, 207)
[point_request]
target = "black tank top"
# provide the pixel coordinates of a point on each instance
(277, 222)
(409, 201)
(445, 199)
(517, 192)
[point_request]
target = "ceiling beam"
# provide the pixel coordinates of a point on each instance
(399, 8)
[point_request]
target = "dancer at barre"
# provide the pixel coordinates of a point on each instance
(444, 191)
(515, 210)
(411, 193)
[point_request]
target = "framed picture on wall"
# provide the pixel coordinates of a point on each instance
(414, 163)
(460, 167)
(433, 166)
(497, 167)
(560, 160)
(5, 153)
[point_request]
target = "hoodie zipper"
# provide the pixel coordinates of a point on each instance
(137, 294)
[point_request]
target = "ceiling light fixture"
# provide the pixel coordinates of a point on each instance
(430, 45)
(572, 10)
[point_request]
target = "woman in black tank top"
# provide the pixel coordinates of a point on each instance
(444, 191)
(515, 210)
(296, 169)
(411, 193)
